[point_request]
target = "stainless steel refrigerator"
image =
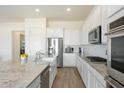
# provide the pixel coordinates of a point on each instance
(55, 47)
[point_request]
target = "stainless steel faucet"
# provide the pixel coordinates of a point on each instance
(39, 55)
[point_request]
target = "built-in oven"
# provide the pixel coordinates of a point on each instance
(95, 35)
(116, 53)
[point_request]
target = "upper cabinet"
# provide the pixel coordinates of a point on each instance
(54, 33)
(98, 16)
(35, 35)
(71, 36)
(104, 22)
(92, 21)
(113, 9)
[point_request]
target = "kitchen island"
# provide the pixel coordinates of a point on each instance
(16, 75)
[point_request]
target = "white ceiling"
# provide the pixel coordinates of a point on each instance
(51, 12)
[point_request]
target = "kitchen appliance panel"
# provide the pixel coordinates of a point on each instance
(116, 55)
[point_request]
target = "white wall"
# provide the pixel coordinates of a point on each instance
(95, 50)
(6, 38)
(65, 24)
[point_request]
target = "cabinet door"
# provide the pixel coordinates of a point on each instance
(98, 84)
(76, 59)
(71, 37)
(85, 78)
(55, 32)
(37, 41)
(69, 60)
(80, 67)
(91, 80)
(35, 35)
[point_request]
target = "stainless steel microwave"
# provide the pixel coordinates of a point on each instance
(95, 35)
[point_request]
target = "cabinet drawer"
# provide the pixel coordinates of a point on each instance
(35, 83)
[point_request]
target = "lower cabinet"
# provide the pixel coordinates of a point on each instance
(90, 77)
(53, 72)
(84, 74)
(79, 66)
(82, 68)
(98, 84)
(69, 60)
(91, 80)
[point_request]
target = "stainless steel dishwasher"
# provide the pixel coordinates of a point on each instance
(45, 78)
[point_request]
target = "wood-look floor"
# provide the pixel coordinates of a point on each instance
(68, 78)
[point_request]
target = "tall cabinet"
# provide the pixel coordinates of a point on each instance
(35, 35)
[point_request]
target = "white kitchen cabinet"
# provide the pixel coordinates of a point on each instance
(85, 74)
(95, 80)
(35, 35)
(71, 37)
(69, 60)
(104, 22)
(98, 84)
(54, 33)
(37, 40)
(53, 72)
(93, 20)
(91, 77)
(113, 9)
(79, 65)
(82, 68)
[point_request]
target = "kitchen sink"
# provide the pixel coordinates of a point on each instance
(45, 59)
(48, 59)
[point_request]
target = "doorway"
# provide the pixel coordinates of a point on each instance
(18, 44)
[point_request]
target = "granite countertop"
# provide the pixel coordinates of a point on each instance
(98, 66)
(16, 75)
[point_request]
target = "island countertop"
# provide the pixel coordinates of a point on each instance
(17, 75)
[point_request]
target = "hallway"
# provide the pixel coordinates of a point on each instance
(68, 78)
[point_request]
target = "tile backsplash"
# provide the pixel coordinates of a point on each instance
(95, 50)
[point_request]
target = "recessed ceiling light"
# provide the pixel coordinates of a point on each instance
(37, 10)
(68, 9)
